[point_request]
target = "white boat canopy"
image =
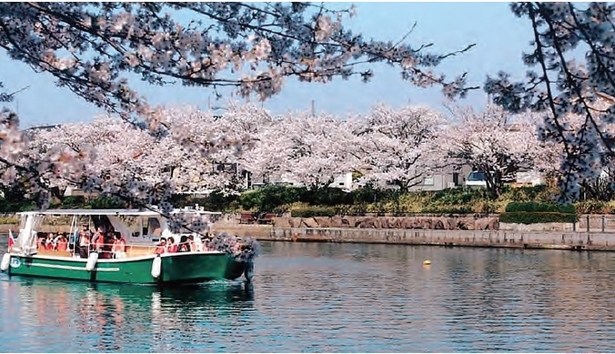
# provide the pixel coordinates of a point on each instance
(115, 212)
(32, 220)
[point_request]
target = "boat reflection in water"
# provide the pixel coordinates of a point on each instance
(117, 317)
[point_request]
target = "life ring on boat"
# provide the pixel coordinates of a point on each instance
(156, 266)
(92, 259)
(249, 271)
(6, 261)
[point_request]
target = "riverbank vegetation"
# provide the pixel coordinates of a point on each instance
(302, 202)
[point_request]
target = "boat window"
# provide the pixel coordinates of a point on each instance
(153, 225)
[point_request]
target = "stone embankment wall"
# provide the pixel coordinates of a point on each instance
(454, 222)
(586, 223)
(470, 238)
(472, 231)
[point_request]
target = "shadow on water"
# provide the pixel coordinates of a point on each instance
(210, 293)
(104, 317)
(207, 293)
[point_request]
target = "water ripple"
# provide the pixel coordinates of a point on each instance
(334, 298)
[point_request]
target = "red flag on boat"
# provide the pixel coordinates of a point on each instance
(11, 239)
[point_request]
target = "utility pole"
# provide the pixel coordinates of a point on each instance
(313, 108)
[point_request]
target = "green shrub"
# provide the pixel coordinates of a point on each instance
(527, 193)
(215, 201)
(366, 195)
(251, 200)
(270, 197)
(309, 212)
(527, 218)
(16, 206)
(540, 207)
(330, 197)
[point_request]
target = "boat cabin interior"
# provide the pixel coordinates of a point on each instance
(140, 231)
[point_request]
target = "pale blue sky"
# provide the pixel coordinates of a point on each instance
(500, 39)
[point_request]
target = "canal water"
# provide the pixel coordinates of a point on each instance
(310, 297)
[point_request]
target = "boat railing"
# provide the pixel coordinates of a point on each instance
(130, 250)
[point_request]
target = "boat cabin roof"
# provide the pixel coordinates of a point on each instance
(117, 212)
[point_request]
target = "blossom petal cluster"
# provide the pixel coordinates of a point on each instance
(571, 69)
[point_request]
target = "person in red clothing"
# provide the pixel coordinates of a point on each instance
(49, 242)
(118, 250)
(106, 248)
(62, 243)
(162, 246)
(171, 246)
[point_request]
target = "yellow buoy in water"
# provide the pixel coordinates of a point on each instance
(426, 262)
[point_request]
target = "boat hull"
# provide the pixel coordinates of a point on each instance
(190, 267)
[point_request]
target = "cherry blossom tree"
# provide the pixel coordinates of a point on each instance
(116, 151)
(493, 142)
(302, 148)
(268, 156)
(319, 150)
(96, 49)
(598, 179)
(573, 60)
(226, 138)
(396, 146)
(122, 151)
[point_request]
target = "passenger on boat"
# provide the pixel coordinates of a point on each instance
(56, 239)
(237, 246)
(98, 240)
(205, 242)
(61, 243)
(73, 239)
(105, 245)
(198, 244)
(210, 244)
(171, 246)
(84, 242)
(49, 245)
(162, 246)
(183, 246)
(192, 244)
(119, 247)
(40, 242)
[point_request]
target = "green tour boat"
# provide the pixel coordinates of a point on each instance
(143, 258)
